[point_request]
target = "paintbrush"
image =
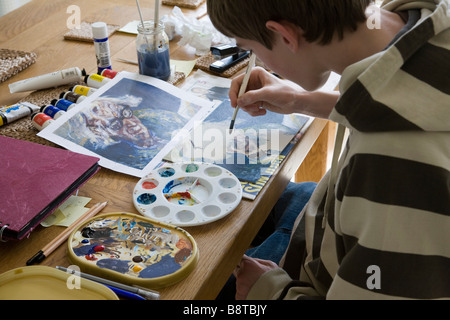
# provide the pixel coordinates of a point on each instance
(243, 88)
(55, 243)
(156, 21)
(142, 22)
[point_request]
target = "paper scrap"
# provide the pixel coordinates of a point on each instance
(68, 212)
(130, 27)
(183, 66)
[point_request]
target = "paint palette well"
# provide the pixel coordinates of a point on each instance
(187, 194)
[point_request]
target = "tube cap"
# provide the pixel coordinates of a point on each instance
(99, 30)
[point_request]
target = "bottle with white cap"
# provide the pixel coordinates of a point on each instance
(101, 43)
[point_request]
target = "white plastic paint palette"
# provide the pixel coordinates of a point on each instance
(187, 194)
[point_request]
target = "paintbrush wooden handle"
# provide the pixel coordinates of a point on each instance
(52, 246)
(243, 87)
(49, 248)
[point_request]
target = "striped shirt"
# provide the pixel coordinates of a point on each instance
(387, 233)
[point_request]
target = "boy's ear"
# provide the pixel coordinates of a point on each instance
(289, 33)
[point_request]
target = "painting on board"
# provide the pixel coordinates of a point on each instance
(129, 123)
(251, 148)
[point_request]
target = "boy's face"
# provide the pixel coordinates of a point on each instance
(304, 66)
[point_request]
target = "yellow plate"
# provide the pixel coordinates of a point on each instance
(133, 250)
(45, 283)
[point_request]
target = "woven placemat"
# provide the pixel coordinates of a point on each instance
(85, 32)
(13, 61)
(23, 129)
(204, 62)
(191, 4)
(177, 78)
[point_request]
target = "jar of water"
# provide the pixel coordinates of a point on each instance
(152, 45)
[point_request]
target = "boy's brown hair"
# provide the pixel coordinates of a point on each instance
(319, 19)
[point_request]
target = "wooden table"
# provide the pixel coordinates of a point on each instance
(39, 27)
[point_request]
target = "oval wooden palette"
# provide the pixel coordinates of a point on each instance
(134, 250)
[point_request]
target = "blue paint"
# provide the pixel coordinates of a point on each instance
(85, 250)
(146, 199)
(165, 266)
(166, 173)
(114, 264)
(168, 188)
(154, 63)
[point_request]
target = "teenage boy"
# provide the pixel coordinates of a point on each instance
(377, 224)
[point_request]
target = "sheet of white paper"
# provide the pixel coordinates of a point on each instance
(130, 123)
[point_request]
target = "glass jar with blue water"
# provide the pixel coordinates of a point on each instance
(152, 45)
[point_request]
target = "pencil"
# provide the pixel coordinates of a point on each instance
(243, 88)
(49, 248)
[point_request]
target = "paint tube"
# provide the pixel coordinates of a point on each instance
(83, 90)
(109, 73)
(41, 120)
(95, 80)
(72, 96)
(16, 111)
(52, 111)
(63, 104)
(48, 80)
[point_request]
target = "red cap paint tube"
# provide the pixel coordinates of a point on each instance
(109, 73)
(72, 96)
(16, 111)
(41, 120)
(96, 81)
(83, 90)
(52, 111)
(63, 104)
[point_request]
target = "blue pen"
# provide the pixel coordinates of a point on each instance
(126, 294)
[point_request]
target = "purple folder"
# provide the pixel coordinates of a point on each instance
(34, 180)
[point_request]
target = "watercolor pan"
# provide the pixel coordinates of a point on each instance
(187, 194)
(133, 250)
(46, 283)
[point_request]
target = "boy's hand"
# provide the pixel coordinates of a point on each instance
(267, 92)
(248, 272)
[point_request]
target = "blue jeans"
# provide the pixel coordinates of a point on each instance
(273, 238)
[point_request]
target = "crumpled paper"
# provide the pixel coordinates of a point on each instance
(199, 34)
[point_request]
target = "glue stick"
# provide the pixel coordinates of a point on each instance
(101, 43)
(96, 81)
(83, 90)
(41, 120)
(16, 111)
